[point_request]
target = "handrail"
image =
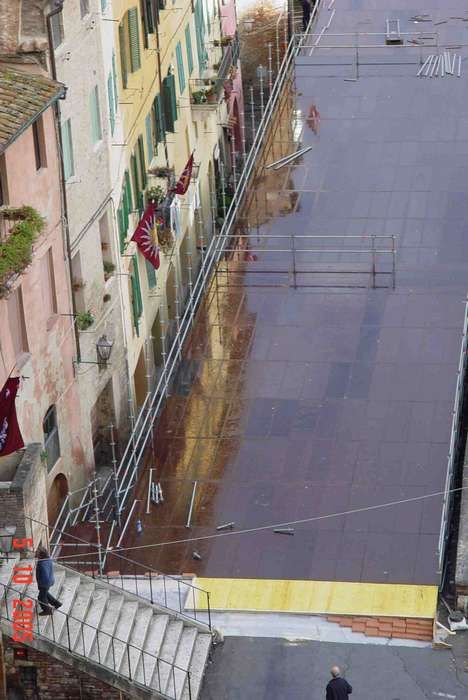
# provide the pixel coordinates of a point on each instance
(113, 638)
(193, 591)
(138, 440)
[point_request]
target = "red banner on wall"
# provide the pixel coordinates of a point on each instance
(10, 435)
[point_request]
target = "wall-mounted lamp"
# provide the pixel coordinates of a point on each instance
(104, 348)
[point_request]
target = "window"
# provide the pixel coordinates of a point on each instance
(200, 35)
(67, 150)
(39, 143)
(170, 103)
(147, 19)
(142, 161)
(180, 67)
(188, 46)
(17, 323)
(56, 24)
(129, 42)
(96, 128)
(123, 212)
(158, 114)
(114, 80)
(49, 296)
(103, 5)
(84, 8)
(110, 97)
(51, 437)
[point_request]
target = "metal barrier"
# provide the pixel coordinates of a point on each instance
(68, 632)
(454, 442)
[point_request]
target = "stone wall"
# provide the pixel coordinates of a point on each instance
(33, 675)
(26, 495)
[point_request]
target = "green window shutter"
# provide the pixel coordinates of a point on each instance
(180, 67)
(121, 219)
(149, 136)
(123, 52)
(110, 96)
(134, 38)
(96, 128)
(146, 9)
(103, 5)
(188, 46)
(137, 302)
(170, 103)
(142, 159)
(159, 119)
(128, 192)
(150, 19)
(114, 80)
(150, 274)
(200, 35)
(135, 178)
(67, 150)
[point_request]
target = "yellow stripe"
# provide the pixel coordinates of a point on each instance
(319, 597)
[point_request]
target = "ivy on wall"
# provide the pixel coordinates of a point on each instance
(17, 248)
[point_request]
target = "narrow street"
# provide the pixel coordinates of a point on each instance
(313, 400)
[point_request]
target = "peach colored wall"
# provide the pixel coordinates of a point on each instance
(49, 365)
(229, 26)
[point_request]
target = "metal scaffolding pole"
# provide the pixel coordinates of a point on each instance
(97, 515)
(252, 112)
(115, 476)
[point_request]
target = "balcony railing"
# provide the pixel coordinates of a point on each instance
(208, 92)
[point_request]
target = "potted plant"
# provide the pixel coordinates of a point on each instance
(109, 269)
(216, 66)
(165, 237)
(155, 194)
(160, 171)
(84, 320)
(210, 95)
(199, 97)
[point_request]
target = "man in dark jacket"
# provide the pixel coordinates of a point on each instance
(338, 688)
(306, 10)
(45, 580)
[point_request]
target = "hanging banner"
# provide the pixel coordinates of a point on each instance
(145, 236)
(184, 180)
(10, 435)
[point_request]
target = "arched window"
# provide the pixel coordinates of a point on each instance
(51, 437)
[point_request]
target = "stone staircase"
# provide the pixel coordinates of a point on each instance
(144, 650)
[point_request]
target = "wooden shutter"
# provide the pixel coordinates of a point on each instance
(123, 51)
(144, 22)
(159, 119)
(123, 226)
(149, 136)
(128, 192)
(142, 159)
(134, 39)
(137, 302)
(170, 103)
(180, 67)
(114, 81)
(188, 46)
(110, 97)
(135, 178)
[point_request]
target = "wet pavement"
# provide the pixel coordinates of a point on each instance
(297, 402)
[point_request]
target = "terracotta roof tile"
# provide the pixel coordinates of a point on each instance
(23, 97)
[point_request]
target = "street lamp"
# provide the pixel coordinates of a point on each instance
(104, 348)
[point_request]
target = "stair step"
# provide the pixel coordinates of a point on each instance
(92, 621)
(182, 659)
(122, 634)
(6, 567)
(163, 670)
(197, 666)
(77, 614)
(53, 625)
(137, 639)
(106, 630)
(151, 649)
(31, 591)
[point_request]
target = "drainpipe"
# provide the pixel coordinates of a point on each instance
(63, 191)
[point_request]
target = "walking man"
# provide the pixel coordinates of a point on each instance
(338, 688)
(45, 580)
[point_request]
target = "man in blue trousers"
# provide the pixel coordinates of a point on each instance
(45, 580)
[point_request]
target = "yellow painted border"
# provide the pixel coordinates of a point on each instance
(319, 597)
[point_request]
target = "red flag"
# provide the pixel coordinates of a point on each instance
(184, 180)
(10, 435)
(144, 236)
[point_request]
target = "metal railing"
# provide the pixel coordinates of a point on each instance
(455, 446)
(89, 642)
(186, 592)
(134, 452)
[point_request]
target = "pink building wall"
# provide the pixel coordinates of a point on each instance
(48, 366)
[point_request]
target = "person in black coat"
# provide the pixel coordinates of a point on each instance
(338, 688)
(45, 580)
(306, 10)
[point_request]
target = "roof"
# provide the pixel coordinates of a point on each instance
(23, 97)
